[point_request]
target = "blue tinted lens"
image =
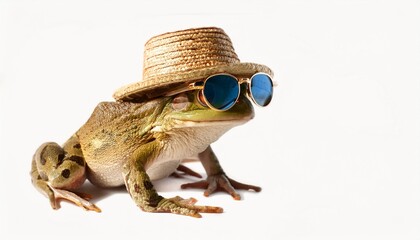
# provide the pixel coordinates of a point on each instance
(221, 91)
(261, 89)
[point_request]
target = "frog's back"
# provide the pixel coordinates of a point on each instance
(112, 133)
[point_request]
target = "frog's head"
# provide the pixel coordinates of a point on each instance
(185, 112)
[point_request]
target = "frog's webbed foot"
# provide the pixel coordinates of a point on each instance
(185, 171)
(80, 199)
(221, 182)
(182, 206)
(217, 179)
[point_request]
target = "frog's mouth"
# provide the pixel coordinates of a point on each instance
(227, 120)
(234, 121)
(218, 125)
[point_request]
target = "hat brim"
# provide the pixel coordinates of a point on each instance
(159, 85)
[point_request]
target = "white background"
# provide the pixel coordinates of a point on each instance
(337, 152)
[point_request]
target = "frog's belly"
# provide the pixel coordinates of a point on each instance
(162, 169)
(111, 175)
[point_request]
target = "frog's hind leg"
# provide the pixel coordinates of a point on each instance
(56, 171)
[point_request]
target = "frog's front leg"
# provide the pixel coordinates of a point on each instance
(143, 193)
(216, 177)
(56, 170)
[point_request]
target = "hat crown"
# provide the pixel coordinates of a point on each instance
(187, 50)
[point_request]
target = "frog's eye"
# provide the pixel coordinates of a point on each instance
(180, 102)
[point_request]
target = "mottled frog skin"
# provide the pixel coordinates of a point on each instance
(132, 144)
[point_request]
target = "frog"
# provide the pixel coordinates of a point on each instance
(132, 144)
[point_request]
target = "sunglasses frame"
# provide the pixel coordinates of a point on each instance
(199, 85)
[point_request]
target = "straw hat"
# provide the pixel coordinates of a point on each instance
(181, 57)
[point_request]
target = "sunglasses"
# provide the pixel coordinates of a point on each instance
(221, 91)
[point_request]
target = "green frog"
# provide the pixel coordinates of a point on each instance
(135, 143)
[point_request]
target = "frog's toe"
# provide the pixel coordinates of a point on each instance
(222, 183)
(53, 200)
(185, 207)
(74, 198)
(190, 203)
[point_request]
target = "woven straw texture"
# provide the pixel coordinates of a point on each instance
(182, 57)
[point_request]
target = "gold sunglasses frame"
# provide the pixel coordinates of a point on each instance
(199, 85)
